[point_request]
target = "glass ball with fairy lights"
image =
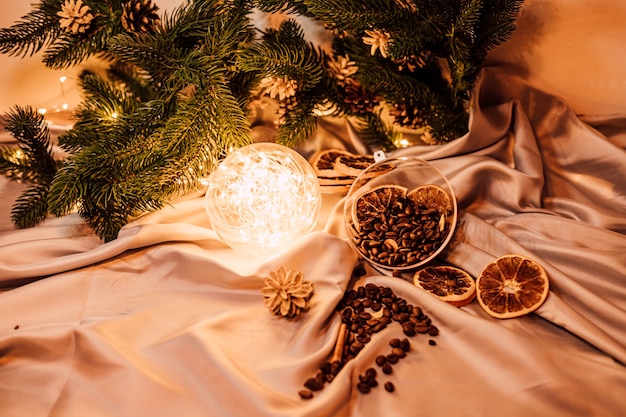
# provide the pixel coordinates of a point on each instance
(262, 197)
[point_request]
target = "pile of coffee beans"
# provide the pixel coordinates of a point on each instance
(404, 235)
(365, 311)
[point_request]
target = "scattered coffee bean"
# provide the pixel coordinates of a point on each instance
(381, 360)
(392, 359)
(398, 352)
(387, 369)
(305, 394)
(432, 342)
(363, 387)
(405, 345)
(389, 387)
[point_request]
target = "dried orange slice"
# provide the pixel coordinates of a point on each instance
(373, 205)
(353, 164)
(431, 196)
(323, 162)
(512, 286)
(448, 283)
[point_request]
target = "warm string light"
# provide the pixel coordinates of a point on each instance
(64, 106)
(261, 197)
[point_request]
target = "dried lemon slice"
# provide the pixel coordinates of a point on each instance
(512, 286)
(372, 206)
(448, 283)
(431, 196)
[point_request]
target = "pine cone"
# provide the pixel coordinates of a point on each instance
(359, 99)
(278, 87)
(286, 293)
(140, 16)
(407, 114)
(413, 62)
(75, 16)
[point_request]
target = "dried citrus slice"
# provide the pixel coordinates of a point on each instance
(448, 283)
(512, 286)
(353, 164)
(323, 162)
(373, 205)
(431, 196)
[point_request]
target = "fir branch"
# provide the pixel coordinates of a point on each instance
(30, 130)
(355, 16)
(15, 166)
(136, 82)
(156, 54)
(284, 6)
(66, 191)
(496, 25)
(374, 132)
(106, 222)
(143, 172)
(31, 206)
(36, 30)
(284, 53)
(298, 123)
(96, 117)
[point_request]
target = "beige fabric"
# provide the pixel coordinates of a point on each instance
(167, 320)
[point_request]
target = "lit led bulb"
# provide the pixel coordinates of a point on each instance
(262, 197)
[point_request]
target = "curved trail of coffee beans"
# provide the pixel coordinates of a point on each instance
(361, 324)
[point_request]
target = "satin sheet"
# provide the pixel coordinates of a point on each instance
(167, 320)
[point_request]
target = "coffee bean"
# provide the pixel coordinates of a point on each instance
(363, 387)
(370, 372)
(313, 384)
(389, 387)
(433, 330)
(387, 368)
(392, 359)
(421, 328)
(405, 345)
(408, 329)
(398, 352)
(305, 394)
(381, 360)
(432, 342)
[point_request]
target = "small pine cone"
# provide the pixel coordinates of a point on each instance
(413, 62)
(140, 16)
(359, 99)
(286, 293)
(407, 114)
(75, 16)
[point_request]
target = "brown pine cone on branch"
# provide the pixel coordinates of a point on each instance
(140, 16)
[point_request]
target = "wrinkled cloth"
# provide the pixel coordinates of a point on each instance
(168, 320)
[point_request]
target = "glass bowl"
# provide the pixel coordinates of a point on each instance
(400, 213)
